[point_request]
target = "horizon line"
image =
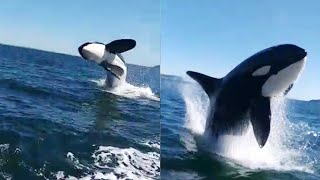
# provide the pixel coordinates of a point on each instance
(61, 53)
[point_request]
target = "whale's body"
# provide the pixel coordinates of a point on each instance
(109, 57)
(244, 94)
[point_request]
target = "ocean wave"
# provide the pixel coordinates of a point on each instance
(117, 163)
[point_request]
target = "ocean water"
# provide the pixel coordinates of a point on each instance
(57, 120)
(291, 152)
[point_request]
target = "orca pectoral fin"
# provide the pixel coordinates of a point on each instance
(113, 69)
(260, 115)
(120, 46)
(288, 89)
(208, 84)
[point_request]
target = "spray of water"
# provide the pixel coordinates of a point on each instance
(244, 150)
(196, 108)
(129, 91)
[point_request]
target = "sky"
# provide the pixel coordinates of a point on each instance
(212, 37)
(62, 26)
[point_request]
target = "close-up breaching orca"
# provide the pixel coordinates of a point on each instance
(244, 94)
(109, 57)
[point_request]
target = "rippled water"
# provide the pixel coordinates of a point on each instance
(292, 150)
(57, 121)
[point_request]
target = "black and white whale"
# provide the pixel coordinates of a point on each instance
(109, 57)
(244, 94)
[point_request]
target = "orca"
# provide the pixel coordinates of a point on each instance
(244, 94)
(109, 57)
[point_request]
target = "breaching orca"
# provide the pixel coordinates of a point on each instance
(245, 92)
(109, 57)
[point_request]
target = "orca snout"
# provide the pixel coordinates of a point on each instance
(300, 52)
(80, 49)
(294, 52)
(92, 51)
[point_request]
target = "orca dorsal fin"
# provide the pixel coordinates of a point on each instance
(208, 84)
(120, 45)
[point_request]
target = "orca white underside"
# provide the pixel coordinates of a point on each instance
(114, 59)
(94, 52)
(277, 83)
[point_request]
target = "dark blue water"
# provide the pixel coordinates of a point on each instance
(57, 120)
(292, 150)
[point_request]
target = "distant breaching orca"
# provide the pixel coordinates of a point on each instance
(245, 92)
(109, 57)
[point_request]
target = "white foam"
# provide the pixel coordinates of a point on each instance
(99, 82)
(60, 175)
(75, 161)
(5, 176)
(129, 91)
(96, 175)
(3, 150)
(133, 163)
(116, 163)
(244, 150)
(312, 133)
(4, 147)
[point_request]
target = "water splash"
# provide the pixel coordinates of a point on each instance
(129, 91)
(277, 154)
(196, 108)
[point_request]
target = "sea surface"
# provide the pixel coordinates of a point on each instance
(291, 152)
(58, 121)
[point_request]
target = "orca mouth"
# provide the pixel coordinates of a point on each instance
(303, 55)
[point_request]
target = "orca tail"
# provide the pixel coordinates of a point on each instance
(120, 46)
(209, 84)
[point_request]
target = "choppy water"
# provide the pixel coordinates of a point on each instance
(292, 150)
(57, 121)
